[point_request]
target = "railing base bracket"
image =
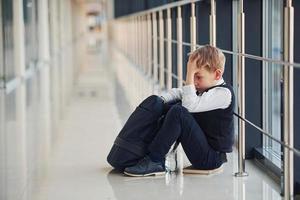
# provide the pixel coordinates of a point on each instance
(241, 174)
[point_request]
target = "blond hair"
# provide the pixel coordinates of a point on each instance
(209, 57)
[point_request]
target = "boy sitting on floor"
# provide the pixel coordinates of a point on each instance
(203, 124)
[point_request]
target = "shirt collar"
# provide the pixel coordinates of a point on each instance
(220, 82)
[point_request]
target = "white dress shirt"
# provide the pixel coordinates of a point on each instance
(215, 98)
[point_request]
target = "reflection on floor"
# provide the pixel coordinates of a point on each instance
(78, 167)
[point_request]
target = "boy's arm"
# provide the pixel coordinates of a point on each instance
(216, 98)
(172, 94)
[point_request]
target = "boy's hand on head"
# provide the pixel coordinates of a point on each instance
(192, 65)
(192, 68)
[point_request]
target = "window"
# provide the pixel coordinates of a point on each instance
(7, 39)
(1, 48)
(31, 31)
(272, 73)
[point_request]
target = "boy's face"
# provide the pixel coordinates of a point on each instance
(204, 79)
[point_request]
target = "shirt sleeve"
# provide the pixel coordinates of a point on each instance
(172, 94)
(216, 98)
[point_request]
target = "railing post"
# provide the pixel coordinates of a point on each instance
(126, 24)
(179, 47)
(130, 38)
(144, 42)
(149, 45)
(138, 32)
(143, 39)
(212, 22)
(135, 40)
(193, 27)
(169, 49)
(20, 92)
(155, 59)
(288, 85)
(161, 51)
(144, 52)
(241, 92)
(139, 42)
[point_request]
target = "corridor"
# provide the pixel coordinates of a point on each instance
(78, 168)
(73, 71)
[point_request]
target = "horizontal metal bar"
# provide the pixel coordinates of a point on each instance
(30, 72)
(172, 74)
(159, 8)
(12, 84)
(42, 64)
(250, 56)
(296, 151)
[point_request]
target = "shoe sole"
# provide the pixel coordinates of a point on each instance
(202, 172)
(149, 174)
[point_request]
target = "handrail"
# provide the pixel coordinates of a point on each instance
(10, 85)
(159, 8)
(254, 57)
(185, 2)
(296, 151)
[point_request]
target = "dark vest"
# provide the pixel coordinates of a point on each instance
(218, 124)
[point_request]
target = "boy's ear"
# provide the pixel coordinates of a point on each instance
(218, 74)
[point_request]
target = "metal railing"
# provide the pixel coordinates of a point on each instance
(14, 83)
(141, 36)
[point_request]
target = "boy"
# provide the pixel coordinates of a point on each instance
(203, 124)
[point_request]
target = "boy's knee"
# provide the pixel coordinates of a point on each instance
(153, 103)
(177, 110)
(153, 99)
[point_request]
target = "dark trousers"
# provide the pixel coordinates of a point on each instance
(180, 125)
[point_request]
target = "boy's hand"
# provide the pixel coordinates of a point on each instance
(192, 65)
(191, 70)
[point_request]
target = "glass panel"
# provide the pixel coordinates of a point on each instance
(273, 73)
(2, 146)
(1, 46)
(8, 40)
(235, 11)
(34, 150)
(31, 31)
(14, 179)
(54, 92)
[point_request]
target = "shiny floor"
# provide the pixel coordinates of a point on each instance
(78, 167)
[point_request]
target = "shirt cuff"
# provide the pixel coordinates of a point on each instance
(163, 98)
(189, 89)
